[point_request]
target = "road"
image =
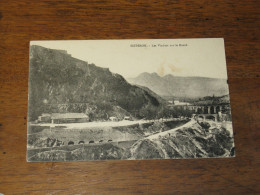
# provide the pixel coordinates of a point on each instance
(164, 133)
(101, 124)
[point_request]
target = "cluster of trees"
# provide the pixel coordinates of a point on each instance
(151, 112)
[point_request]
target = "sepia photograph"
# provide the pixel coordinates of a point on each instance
(128, 99)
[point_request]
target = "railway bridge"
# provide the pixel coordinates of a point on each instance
(209, 112)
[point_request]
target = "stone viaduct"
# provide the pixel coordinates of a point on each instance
(208, 112)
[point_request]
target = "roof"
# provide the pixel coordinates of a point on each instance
(45, 114)
(112, 117)
(68, 115)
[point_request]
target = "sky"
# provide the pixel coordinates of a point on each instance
(131, 57)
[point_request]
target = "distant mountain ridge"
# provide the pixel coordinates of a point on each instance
(176, 86)
(59, 83)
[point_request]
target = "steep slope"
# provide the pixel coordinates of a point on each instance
(181, 87)
(61, 83)
(159, 98)
(193, 141)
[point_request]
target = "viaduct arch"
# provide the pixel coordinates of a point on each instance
(207, 112)
(206, 109)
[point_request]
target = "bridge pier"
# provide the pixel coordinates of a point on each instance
(206, 109)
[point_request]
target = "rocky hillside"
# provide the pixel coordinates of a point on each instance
(180, 87)
(61, 83)
(196, 141)
(193, 141)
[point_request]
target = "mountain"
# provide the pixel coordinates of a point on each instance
(181, 87)
(61, 83)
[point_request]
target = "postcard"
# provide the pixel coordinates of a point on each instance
(128, 100)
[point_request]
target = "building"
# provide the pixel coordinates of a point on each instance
(69, 118)
(113, 118)
(45, 118)
(178, 103)
(64, 118)
(128, 118)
